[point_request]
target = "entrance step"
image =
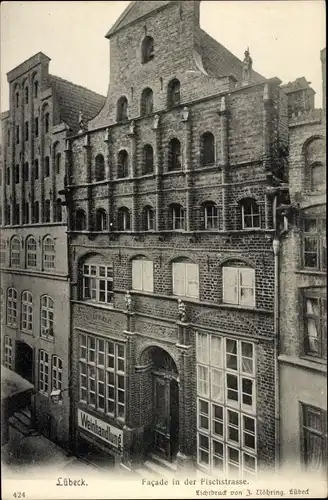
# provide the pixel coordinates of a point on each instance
(156, 467)
(21, 421)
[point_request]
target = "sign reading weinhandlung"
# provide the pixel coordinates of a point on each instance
(112, 435)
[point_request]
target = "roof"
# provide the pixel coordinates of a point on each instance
(27, 65)
(134, 11)
(12, 383)
(219, 61)
(298, 84)
(72, 98)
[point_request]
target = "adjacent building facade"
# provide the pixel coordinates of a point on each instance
(35, 309)
(303, 306)
(171, 228)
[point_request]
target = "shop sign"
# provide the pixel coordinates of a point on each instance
(112, 435)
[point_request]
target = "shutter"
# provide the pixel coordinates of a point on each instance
(247, 287)
(137, 274)
(192, 277)
(230, 285)
(147, 275)
(179, 279)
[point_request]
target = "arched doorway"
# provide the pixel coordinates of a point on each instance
(165, 402)
(24, 360)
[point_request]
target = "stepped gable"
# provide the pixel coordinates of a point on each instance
(72, 99)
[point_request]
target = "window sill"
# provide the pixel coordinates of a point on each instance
(311, 272)
(174, 172)
(304, 362)
(48, 339)
(97, 305)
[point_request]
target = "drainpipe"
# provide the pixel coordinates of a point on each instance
(276, 250)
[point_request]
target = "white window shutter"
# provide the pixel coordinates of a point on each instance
(147, 275)
(247, 286)
(230, 285)
(137, 274)
(179, 278)
(192, 273)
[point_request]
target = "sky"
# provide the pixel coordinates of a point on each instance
(284, 36)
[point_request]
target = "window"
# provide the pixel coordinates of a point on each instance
(123, 219)
(46, 123)
(122, 109)
(2, 251)
(36, 88)
(146, 105)
(148, 219)
(98, 283)
(239, 286)
(101, 220)
(250, 214)
(8, 350)
(100, 168)
(47, 166)
(315, 325)
(49, 253)
(174, 158)
(148, 160)
(80, 220)
(15, 249)
(16, 214)
(26, 95)
(147, 49)
(8, 176)
(12, 307)
(17, 99)
(7, 215)
(47, 317)
(318, 177)
(177, 217)
(314, 243)
(17, 174)
(58, 210)
(17, 134)
(46, 213)
(26, 131)
(8, 137)
(226, 437)
(122, 164)
(57, 373)
(43, 371)
(26, 171)
(207, 149)
(36, 212)
(211, 216)
(173, 97)
(36, 169)
(142, 275)
(26, 213)
(31, 249)
(102, 375)
(314, 438)
(58, 162)
(36, 126)
(185, 277)
(27, 312)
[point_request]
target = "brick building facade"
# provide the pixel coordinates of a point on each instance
(172, 196)
(35, 309)
(303, 326)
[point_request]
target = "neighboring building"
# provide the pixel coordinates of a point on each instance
(303, 306)
(169, 200)
(35, 318)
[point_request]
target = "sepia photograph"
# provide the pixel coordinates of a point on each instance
(163, 249)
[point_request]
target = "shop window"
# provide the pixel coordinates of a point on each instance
(49, 253)
(102, 375)
(239, 286)
(31, 252)
(27, 312)
(97, 283)
(185, 279)
(250, 214)
(314, 243)
(12, 307)
(226, 436)
(47, 317)
(142, 275)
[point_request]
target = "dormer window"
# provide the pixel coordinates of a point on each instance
(147, 49)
